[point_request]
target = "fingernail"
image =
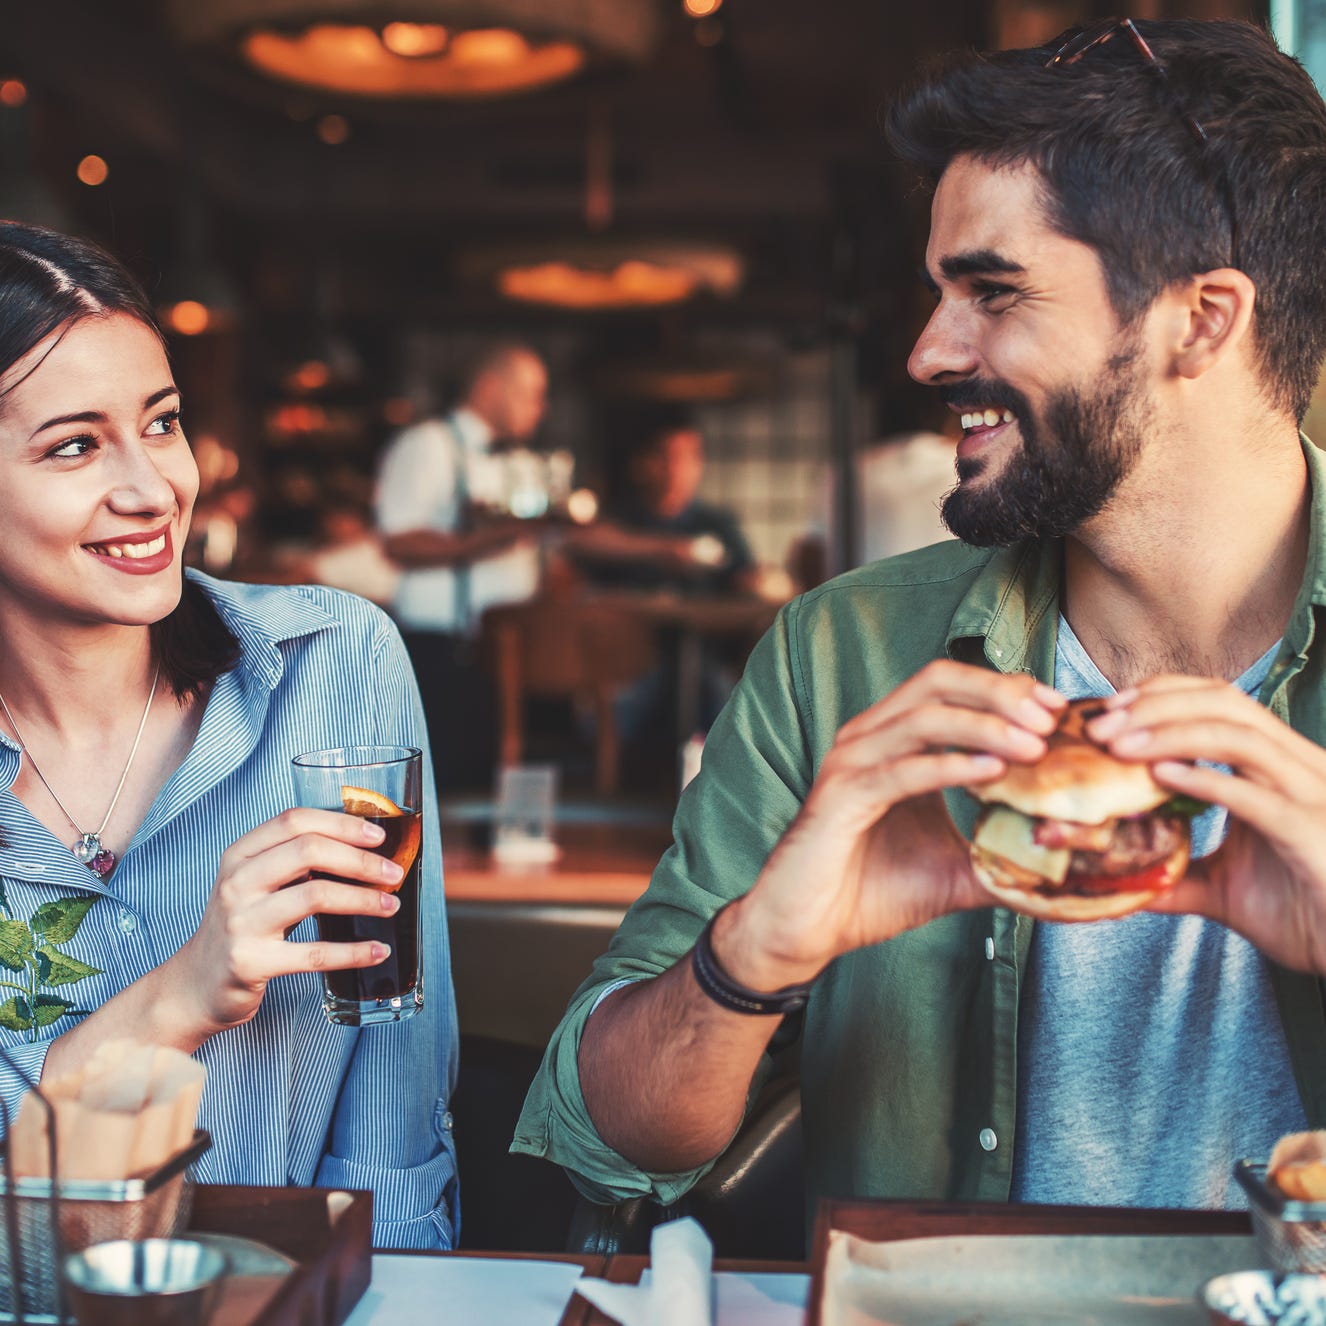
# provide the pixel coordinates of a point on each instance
(389, 902)
(1121, 699)
(1027, 742)
(1047, 695)
(1035, 716)
(983, 764)
(1132, 741)
(391, 871)
(372, 833)
(1107, 724)
(381, 952)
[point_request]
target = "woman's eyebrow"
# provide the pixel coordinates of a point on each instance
(97, 416)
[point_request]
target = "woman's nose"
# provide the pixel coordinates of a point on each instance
(139, 485)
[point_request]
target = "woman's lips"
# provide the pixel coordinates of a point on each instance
(136, 555)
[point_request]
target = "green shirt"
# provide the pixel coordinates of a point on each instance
(909, 1052)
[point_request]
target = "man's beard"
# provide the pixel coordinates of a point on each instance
(1068, 467)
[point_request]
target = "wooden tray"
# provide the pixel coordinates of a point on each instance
(332, 1255)
(886, 1221)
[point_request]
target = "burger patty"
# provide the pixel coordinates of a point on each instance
(1136, 844)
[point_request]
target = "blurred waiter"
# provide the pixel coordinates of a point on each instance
(442, 509)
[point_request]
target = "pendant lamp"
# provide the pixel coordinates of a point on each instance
(421, 49)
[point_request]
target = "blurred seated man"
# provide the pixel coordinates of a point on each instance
(660, 534)
(1129, 346)
(439, 483)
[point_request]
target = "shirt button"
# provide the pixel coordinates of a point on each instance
(447, 1121)
(988, 1139)
(989, 949)
(128, 921)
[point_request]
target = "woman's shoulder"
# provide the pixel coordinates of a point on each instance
(277, 614)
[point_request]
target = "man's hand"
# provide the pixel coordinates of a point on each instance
(873, 851)
(1268, 879)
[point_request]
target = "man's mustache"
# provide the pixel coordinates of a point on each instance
(980, 393)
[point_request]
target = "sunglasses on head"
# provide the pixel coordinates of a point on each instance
(1078, 41)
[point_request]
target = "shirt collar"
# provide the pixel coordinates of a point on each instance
(1010, 612)
(262, 618)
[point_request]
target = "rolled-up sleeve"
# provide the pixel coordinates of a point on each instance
(753, 778)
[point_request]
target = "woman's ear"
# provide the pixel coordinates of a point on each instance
(1213, 315)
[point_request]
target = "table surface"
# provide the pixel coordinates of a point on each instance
(603, 865)
(288, 1219)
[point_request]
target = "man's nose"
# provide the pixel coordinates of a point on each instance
(944, 351)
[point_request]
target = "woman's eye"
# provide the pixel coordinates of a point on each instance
(165, 424)
(71, 447)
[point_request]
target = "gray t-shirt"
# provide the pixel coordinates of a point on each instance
(1152, 1051)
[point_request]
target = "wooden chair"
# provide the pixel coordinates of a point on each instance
(565, 646)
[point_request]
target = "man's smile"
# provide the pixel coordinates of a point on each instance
(978, 421)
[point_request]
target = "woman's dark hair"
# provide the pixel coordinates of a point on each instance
(1124, 172)
(49, 281)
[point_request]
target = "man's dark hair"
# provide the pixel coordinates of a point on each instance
(1124, 173)
(48, 282)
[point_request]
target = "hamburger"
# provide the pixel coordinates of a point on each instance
(1079, 835)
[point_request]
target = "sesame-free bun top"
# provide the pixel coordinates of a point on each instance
(1076, 779)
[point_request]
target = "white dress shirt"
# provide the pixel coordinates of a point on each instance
(428, 474)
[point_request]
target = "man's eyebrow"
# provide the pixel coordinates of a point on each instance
(96, 416)
(979, 262)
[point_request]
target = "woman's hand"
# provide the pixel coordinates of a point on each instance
(1268, 878)
(268, 882)
(873, 851)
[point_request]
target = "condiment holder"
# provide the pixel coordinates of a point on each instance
(148, 1282)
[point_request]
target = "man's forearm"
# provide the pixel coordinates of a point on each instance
(665, 1071)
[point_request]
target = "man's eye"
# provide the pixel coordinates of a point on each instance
(995, 297)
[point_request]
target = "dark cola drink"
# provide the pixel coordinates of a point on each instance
(392, 985)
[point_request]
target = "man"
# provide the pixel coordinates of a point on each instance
(661, 534)
(436, 480)
(1130, 318)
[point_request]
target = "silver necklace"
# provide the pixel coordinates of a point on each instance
(88, 847)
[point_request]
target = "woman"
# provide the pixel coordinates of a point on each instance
(153, 880)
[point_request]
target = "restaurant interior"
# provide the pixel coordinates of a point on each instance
(686, 210)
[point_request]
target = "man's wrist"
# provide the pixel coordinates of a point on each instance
(743, 952)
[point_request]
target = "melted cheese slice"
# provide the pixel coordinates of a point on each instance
(1007, 833)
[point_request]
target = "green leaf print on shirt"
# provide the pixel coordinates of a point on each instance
(30, 950)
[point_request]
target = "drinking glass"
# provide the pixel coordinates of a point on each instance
(383, 784)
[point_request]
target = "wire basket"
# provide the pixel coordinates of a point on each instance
(1290, 1233)
(42, 1219)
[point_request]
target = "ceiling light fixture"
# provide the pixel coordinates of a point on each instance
(605, 274)
(439, 49)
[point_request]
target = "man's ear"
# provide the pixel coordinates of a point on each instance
(1213, 316)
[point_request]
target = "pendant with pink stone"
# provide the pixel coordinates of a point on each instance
(98, 859)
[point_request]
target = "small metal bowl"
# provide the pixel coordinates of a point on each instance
(1263, 1298)
(152, 1282)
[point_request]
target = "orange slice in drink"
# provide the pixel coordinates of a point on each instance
(402, 842)
(363, 801)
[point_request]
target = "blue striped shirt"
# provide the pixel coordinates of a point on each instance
(290, 1098)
